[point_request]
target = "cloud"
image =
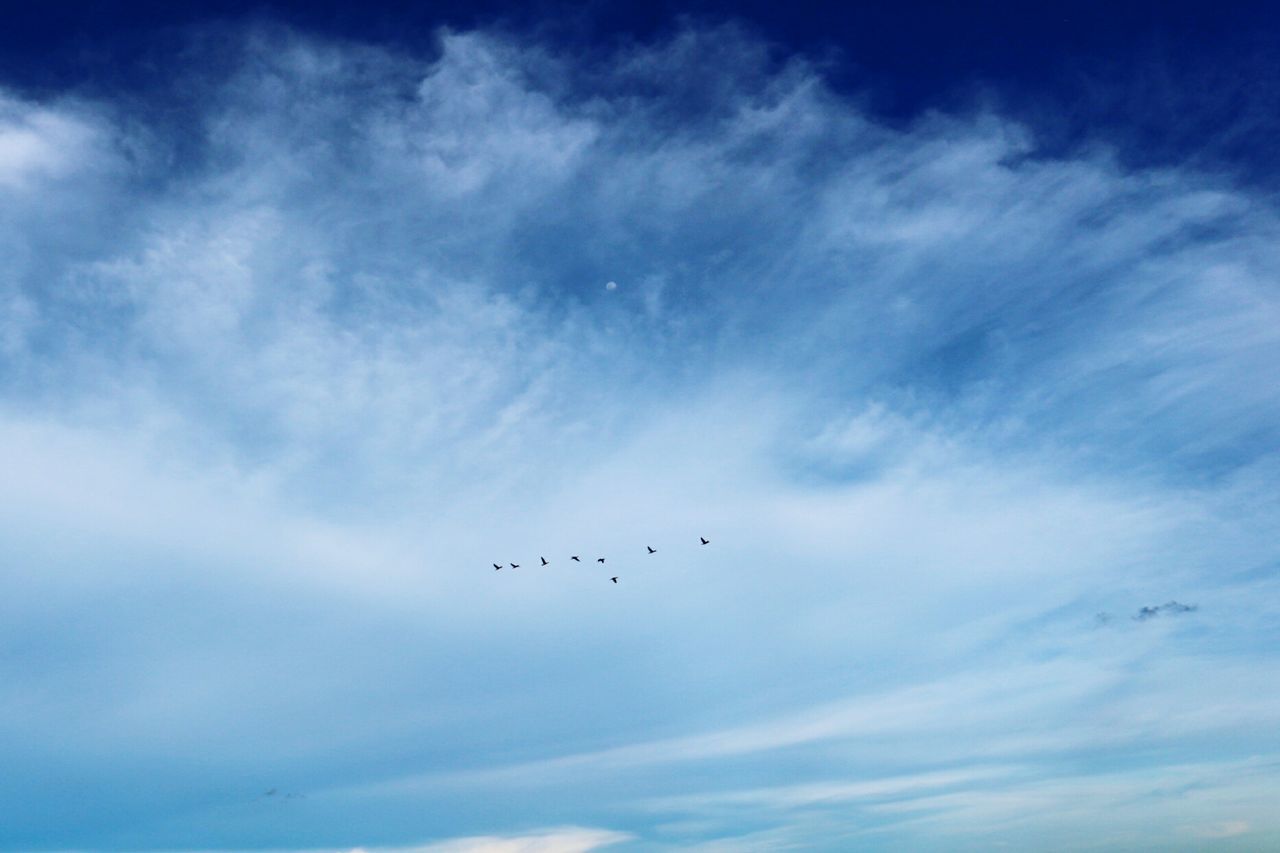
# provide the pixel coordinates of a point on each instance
(1226, 829)
(1162, 801)
(274, 398)
(1170, 607)
(40, 144)
(827, 793)
(563, 839)
(560, 840)
(1010, 809)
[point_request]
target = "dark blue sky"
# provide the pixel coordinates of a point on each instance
(1163, 82)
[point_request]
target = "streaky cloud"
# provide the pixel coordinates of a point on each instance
(1172, 608)
(281, 375)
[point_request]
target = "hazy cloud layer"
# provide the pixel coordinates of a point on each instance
(277, 386)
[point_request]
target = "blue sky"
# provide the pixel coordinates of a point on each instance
(301, 330)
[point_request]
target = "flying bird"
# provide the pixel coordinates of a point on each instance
(575, 559)
(496, 566)
(515, 565)
(615, 580)
(651, 550)
(600, 559)
(705, 541)
(544, 560)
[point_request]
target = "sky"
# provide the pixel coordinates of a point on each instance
(953, 333)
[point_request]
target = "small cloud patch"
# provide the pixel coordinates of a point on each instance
(1170, 608)
(1226, 829)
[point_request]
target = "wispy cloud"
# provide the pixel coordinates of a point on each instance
(561, 840)
(274, 398)
(564, 839)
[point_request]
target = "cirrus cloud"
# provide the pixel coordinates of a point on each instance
(274, 399)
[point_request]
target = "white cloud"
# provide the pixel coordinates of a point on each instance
(1225, 829)
(935, 402)
(564, 839)
(828, 793)
(42, 143)
(560, 840)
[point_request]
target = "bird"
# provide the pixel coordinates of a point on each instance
(651, 550)
(615, 580)
(600, 559)
(705, 541)
(496, 566)
(515, 565)
(544, 560)
(575, 559)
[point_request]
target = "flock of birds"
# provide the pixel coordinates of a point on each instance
(577, 559)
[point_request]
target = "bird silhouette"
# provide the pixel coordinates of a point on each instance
(600, 559)
(575, 559)
(705, 541)
(544, 560)
(496, 566)
(515, 565)
(615, 580)
(651, 550)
